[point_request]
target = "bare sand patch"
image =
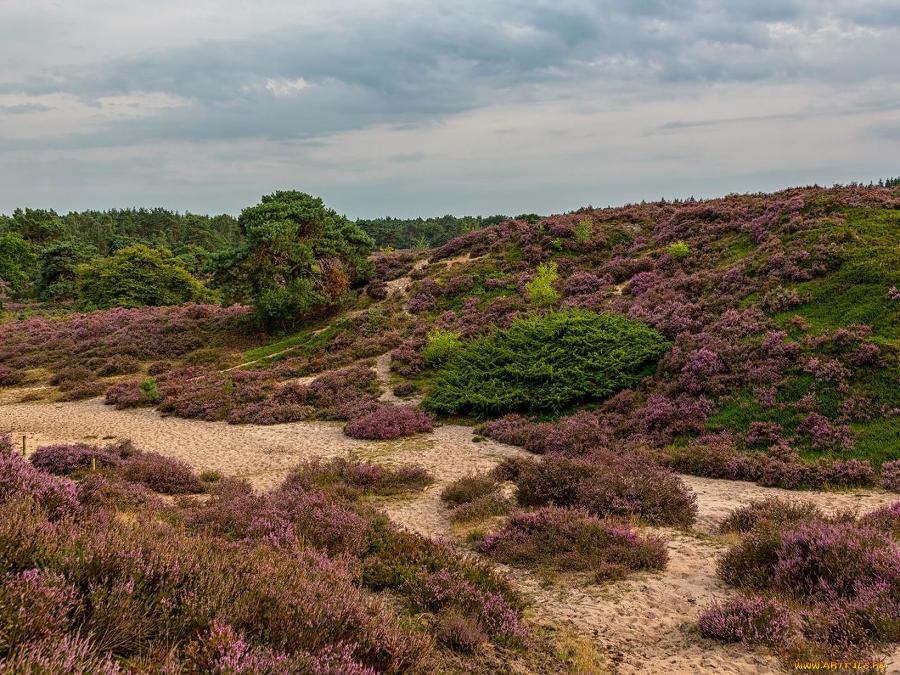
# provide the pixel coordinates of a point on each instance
(261, 454)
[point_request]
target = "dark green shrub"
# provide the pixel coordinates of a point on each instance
(546, 364)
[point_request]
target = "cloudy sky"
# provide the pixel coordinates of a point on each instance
(464, 106)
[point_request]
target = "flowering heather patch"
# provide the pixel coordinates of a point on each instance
(63, 459)
(278, 582)
(887, 519)
(475, 497)
(134, 580)
(155, 471)
(118, 335)
(574, 540)
(132, 394)
(255, 396)
(393, 265)
(287, 519)
(512, 429)
(606, 485)
(752, 620)
(835, 560)
(387, 422)
(358, 477)
(574, 436)
(34, 606)
(716, 456)
(6, 444)
(161, 474)
(18, 478)
(890, 475)
(772, 509)
(824, 434)
(585, 283)
(223, 650)
(69, 654)
(840, 578)
(444, 591)
(111, 491)
(669, 416)
(10, 377)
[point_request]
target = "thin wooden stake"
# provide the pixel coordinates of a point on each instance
(23, 446)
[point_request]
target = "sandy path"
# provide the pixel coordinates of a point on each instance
(382, 369)
(261, 454)
(645, 623)
(400, 284)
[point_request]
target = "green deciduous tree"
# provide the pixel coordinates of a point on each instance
(136, 276)
(298, 258)
(16, 261)
(57, 266)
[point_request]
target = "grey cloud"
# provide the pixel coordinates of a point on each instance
(400, 68)
(24, 108)
(410, 67)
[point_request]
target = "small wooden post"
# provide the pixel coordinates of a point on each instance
(23, 446)
(93, 463)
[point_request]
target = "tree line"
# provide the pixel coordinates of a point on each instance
(289, 255)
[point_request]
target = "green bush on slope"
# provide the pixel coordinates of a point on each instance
(546, 364)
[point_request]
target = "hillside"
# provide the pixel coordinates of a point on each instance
(780, 315)
(619, 378)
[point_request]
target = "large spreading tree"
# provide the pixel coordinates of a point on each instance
(297, 259)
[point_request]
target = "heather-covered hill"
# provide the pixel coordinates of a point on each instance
(750, 337)
(782, 312)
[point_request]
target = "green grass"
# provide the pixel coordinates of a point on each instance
(740, 246)
(304, 343)
(737, 414)
(856, 292)
(878, 440)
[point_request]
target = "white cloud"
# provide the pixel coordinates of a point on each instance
(286, 87)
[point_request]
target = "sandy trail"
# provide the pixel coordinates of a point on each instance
(382, 369)
(261, 454)
(645, 623)
(400, 284)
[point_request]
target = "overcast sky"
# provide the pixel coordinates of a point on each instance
(422, 108)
